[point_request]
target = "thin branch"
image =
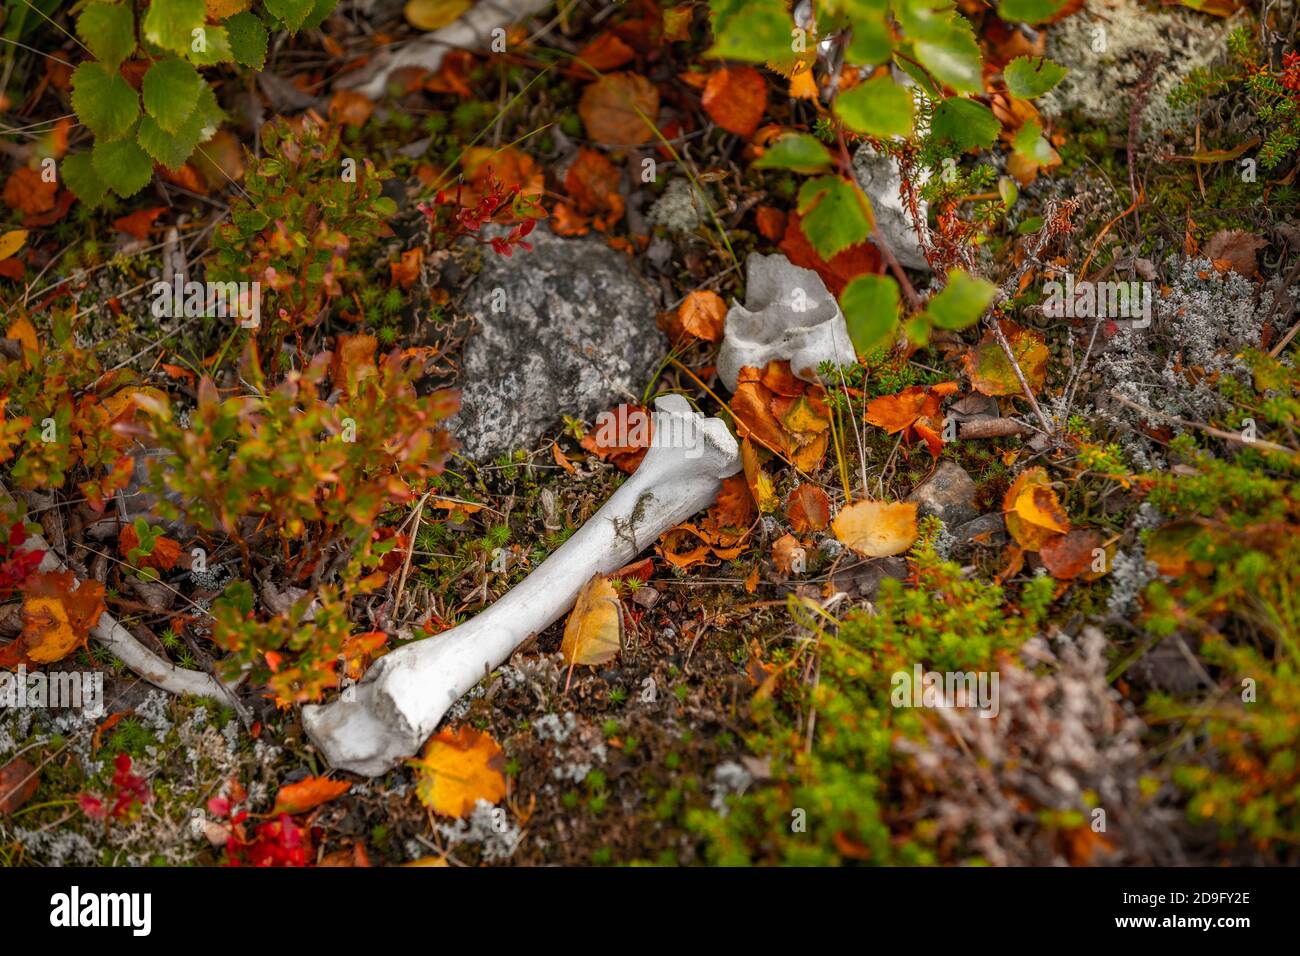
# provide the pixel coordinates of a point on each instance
(138, 658)
(1208, 429)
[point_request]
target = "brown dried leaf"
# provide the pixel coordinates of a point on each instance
(620, 109)
(808, 508)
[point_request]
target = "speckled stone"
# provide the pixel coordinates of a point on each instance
(574, 334)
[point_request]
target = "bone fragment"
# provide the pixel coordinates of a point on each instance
(472, 31)
(788, 314)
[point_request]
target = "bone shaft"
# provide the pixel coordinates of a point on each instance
(600, 546)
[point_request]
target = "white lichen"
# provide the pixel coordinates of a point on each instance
(1106, 48)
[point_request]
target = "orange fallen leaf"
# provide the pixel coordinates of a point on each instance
(788, 554)
(187, 177)
(606, 52)
(1071, 555)
(620, 109)
(350, 108)
(592, 181)
(406, 270)
(453, 75)
(510, 164)
(593, 633)
(803, 86)
(876, 529)
(562, 459)
(220, 161)
(622, 436)
(140, 222)
(770, 222)
(27, 192)
(308, 793)
(862, 258)
(702, 315)
(734, 506)
(808, 508)
(22, 329)
(735, 98)
(458, 768)
(57, 616)
(166, 551)
(683, 546)
(19, 780)
(751, 404)
(913, 411)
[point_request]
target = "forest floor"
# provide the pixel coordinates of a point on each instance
(1107, 524)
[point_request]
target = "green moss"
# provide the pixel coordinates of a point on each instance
(832, 800)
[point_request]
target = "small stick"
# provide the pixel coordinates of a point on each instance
(1208, 429)
(1020, 375)
(992, 428)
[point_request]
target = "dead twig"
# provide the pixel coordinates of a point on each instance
(992, 428)
(1207, 429)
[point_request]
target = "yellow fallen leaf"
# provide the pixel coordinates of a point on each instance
(1038, 505)
(57, 616)
(46, 628)
(22, 329)
(434, 14)
(11, 242)
(876, 529)
(759, 481)
(1032, 513)
(459, 768)
(593, 633)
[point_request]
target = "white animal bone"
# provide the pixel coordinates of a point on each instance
(472, 31)
(881, 179)
(788, 314)
(397, 706)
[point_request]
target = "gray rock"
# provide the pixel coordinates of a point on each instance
(1106, 47)
(574, 334)
(862, 579)
(948, 494)
(990, 524)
